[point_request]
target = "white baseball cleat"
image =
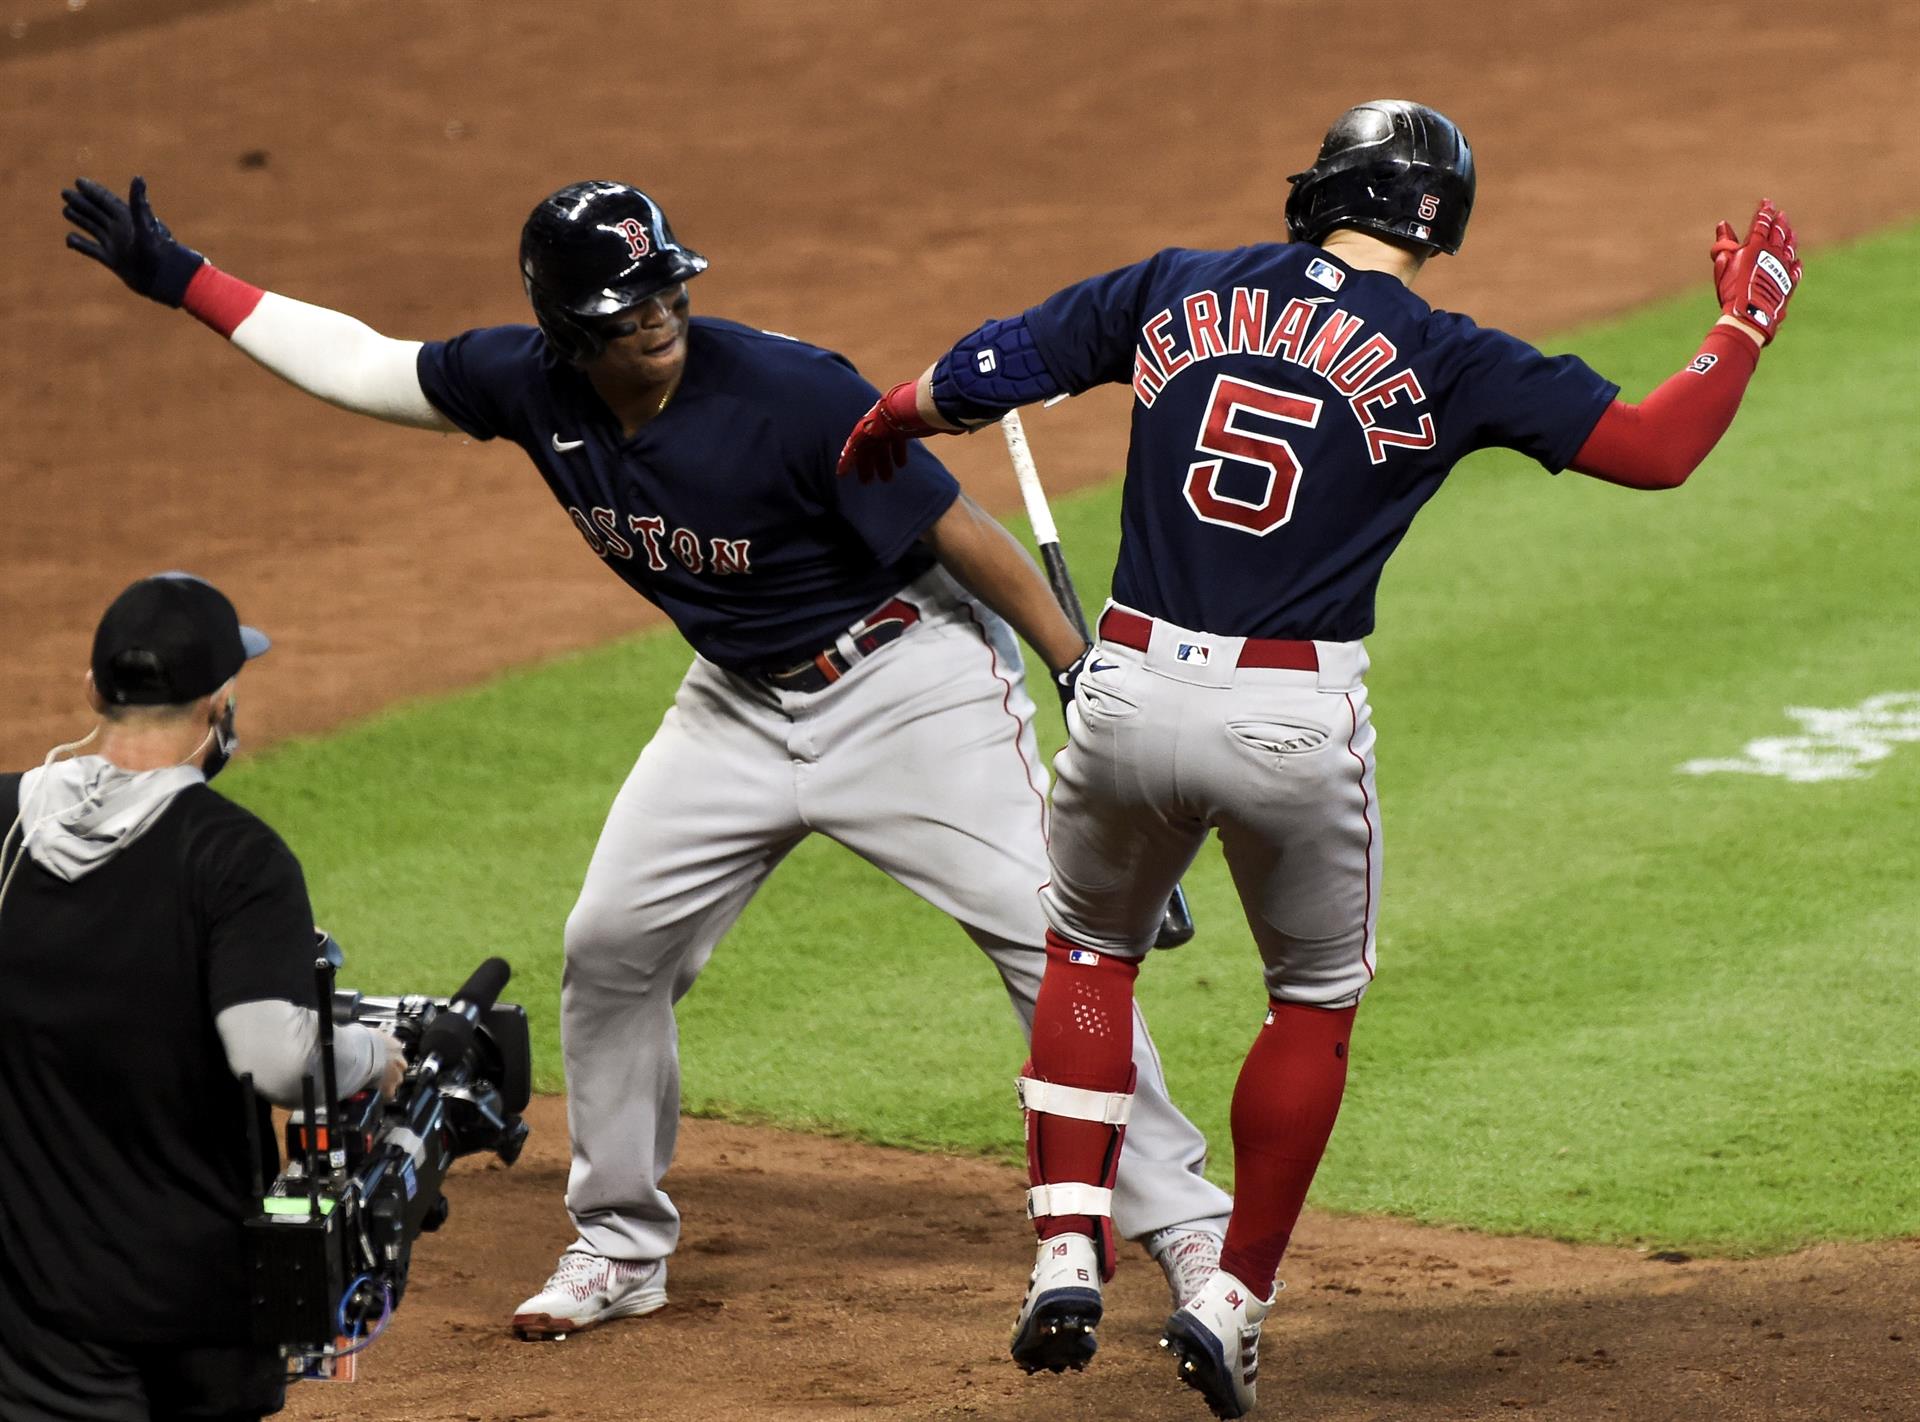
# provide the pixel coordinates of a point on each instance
(587, 1289)
(1187, 1256)
(1062, 1308)
(1216, 1339)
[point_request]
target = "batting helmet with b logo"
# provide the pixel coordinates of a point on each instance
(1389, 166)
(592, 250)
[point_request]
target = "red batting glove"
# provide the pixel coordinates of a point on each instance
(1755, 278)
(878, 444)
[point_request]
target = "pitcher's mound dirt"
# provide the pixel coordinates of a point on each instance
(823, 1280)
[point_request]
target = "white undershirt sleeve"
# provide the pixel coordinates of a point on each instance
(279, 1044)
(343, 361)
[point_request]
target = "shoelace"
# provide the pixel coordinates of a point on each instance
(578, 1274)
(582, 1274)
(1191, 1260)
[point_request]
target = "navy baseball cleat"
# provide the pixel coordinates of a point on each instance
(1062, 1308)
(1215, 1339)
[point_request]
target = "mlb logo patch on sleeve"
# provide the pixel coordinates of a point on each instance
(1326, 274)
(1083, 955)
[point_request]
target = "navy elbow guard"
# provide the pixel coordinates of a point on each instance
(996, 369)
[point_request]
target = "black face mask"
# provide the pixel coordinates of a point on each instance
(225, 742)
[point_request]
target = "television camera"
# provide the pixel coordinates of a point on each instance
(330, 1245)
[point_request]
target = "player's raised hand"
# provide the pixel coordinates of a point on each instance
(878, 444)
(1754, 279)
(125, 237)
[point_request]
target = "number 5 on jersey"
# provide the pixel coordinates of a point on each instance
(1223, 435)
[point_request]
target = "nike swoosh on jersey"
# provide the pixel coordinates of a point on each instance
(561, 446)
(1096, 665)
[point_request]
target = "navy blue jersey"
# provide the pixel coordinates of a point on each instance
(724, 509)
(1291, 414)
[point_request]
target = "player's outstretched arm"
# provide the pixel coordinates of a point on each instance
(989, 562)
(878, 444)
(993, 370)
(1081, 336)
(1658, 443)
(325, 353)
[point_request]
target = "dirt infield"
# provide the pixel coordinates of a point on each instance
(876, 177)
(820, 1280)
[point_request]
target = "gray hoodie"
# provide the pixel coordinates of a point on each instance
(76, 815)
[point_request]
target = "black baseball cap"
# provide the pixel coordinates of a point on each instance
(170, 639)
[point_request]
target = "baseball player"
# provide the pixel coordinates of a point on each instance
(1294, 406)
(855, 672)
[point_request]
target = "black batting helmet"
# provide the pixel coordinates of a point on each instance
(1388, 166)
(593, 249)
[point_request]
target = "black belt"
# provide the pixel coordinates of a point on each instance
(829, 664)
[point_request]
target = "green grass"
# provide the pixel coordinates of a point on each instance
(1615, 1002)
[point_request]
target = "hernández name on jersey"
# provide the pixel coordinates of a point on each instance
(1291, 415)
(1361, 364)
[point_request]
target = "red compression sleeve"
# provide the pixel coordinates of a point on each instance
(1082, 1036)
(219, 300)
(1284, 1107)
(1659, 442)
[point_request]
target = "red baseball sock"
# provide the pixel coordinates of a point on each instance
(1283, 1111)
(1082, 1036)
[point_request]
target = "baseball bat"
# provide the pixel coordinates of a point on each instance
(1176, 924)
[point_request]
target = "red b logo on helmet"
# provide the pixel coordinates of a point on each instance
(639, 241)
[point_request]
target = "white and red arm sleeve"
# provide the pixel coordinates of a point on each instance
(325, 353)
(1659, 442)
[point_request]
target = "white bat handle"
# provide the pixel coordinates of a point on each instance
(1035, 497)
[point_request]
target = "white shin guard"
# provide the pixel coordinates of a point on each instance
(1049, 1197)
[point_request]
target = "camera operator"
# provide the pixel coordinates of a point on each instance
(156, 944)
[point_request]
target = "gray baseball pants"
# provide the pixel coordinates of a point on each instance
(1179, 740)
(921, 760)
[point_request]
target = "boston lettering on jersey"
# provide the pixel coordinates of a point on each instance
(1291, 415)
(601, 528)
(724, 510)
